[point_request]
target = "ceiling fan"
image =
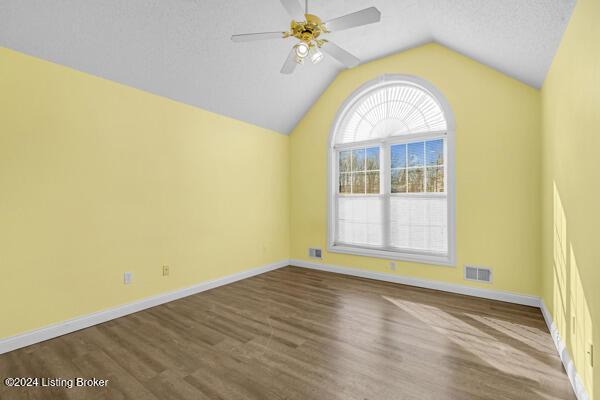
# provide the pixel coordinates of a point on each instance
(307, 28)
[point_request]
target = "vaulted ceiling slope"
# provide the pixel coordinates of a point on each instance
(181, 49)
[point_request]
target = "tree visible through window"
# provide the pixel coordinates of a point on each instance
(359, 171)
(418, 167)
(391, 170)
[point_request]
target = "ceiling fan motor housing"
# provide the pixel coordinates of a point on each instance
(308, 31)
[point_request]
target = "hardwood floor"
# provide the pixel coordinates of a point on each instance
(300, 334)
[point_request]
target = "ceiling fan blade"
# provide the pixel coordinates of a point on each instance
(363, 17)
(340, 54)
(250, 37)
(293, 8)
(290, 63)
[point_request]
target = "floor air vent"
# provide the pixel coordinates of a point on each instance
(479, 274)
(314, 253)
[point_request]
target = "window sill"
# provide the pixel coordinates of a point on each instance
(445, 260)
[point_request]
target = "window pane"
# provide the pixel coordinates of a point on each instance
(345, 183)
(360, 220)
(415, 154)
(419, 223)
(435, 179)
(399, 156)
(345, 161)
(358, 182)
(435, 152)
(358, 160)
(415, 180)
(372, 182)
(373, 158)
(398, 181)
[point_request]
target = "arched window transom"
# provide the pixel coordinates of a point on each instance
(396, 109)
(392, 173)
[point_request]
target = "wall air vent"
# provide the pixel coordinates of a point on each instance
(478, 274)
(314, 253)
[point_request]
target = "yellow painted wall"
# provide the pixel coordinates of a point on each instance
(97, 178)
(497, 169)
(571, 190)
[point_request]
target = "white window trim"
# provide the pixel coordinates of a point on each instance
(447, 259)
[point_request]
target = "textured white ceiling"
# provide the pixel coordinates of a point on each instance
(181, 48)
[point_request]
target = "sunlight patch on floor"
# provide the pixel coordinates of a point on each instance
(475, 341)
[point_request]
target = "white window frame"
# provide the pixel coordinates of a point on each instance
(446, 259)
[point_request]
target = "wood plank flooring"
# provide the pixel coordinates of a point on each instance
(298, 334)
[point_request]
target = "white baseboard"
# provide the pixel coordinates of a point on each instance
(436, 285)
(39, 335)
(565, 357)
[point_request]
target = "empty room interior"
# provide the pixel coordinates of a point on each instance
(300, 200)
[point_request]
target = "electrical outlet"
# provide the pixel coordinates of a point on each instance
(127, 278)
(393, 265)
(165, 270)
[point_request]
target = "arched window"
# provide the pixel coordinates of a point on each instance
(391, 183)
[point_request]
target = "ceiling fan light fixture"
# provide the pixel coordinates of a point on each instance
(307, 29)
(315, 55)
(302, 50)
